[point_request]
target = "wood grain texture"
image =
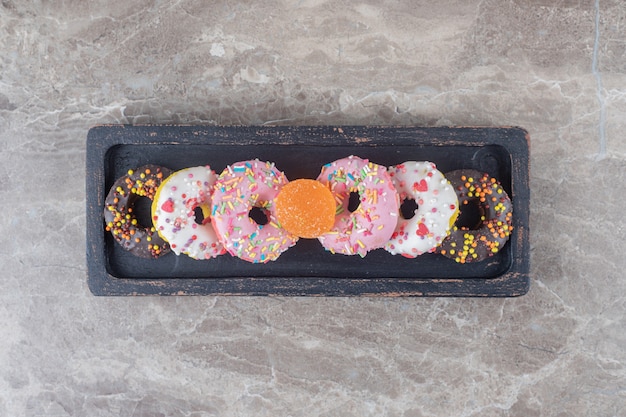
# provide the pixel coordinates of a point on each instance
(306, 269)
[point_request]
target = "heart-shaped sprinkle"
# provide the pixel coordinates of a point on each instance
(168, 206)
(420, 186)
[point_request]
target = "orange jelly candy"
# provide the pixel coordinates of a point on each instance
(305, 208)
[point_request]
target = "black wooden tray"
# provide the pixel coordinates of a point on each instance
(306, 269)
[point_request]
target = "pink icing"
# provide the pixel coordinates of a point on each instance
(239, 188)
(369, 226)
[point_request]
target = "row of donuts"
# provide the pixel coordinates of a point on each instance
(252, 211)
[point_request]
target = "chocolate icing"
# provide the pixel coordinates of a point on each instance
(465, 243)
(141, 240)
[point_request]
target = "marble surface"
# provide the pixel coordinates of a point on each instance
(556, 68)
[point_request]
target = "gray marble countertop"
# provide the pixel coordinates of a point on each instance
(557, 69)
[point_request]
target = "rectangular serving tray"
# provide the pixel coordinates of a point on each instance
(306, 269)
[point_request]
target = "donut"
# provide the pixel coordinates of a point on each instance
(366, 206)
(305, 208)
(243, 212)
(174, 213)
(423, 229)
(141, 240)
(476, 242)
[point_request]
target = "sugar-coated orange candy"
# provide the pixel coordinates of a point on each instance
(305, 208)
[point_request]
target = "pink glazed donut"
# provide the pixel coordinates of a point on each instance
(357, 230)
(243, 211)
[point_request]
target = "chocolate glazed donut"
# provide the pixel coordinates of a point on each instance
(476, 242)
(141, 240)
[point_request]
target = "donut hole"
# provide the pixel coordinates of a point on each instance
(470, 215)
(259, 216)
(408, 208)
(198, 213)
(142, 211)
(354, 201)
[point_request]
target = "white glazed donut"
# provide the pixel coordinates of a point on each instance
(437, 208)
(174, 217)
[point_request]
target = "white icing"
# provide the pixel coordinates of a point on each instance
(437, 204)
(174, 217)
